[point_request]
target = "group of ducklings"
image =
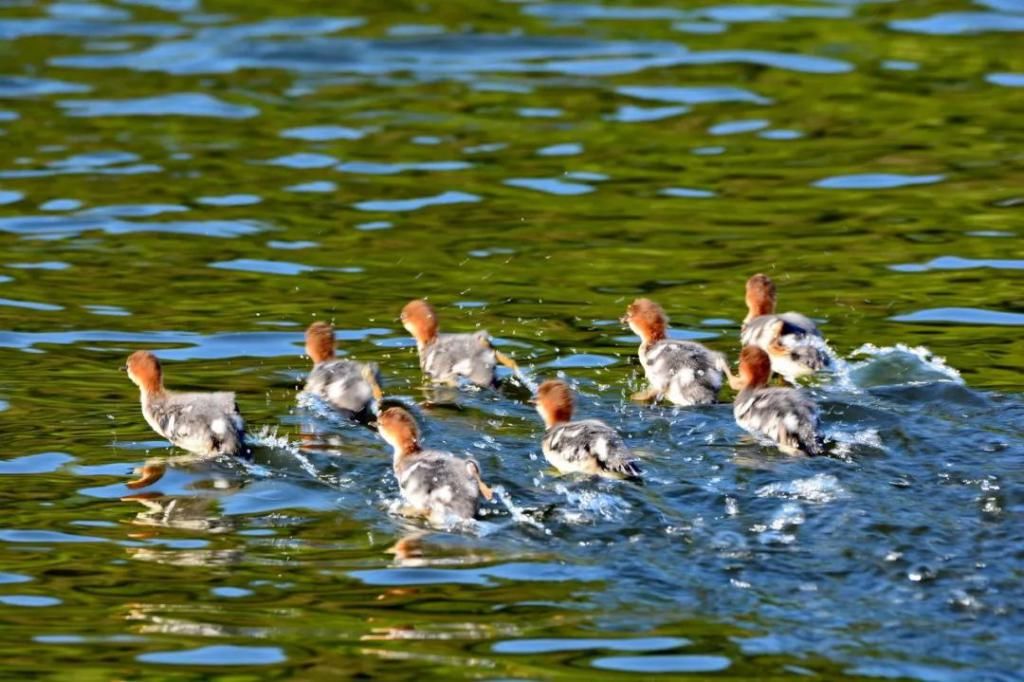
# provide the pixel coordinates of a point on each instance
(442, 487)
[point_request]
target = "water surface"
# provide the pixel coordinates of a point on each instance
(204, 178)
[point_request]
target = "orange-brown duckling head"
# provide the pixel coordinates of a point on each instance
(760, 296)
(320, 342)
(647, 319)
(755, 367)
(144, 371)
(554, 402)
(420, 320)
(398, 428)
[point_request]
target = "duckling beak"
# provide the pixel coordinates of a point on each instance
(532, 401)
(624, 319)
(122, 368)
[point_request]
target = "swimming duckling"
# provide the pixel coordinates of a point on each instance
(446, 357)
(348, 386)
(589, 446)
(783, 415)
(791, 340)
(434, 484)
(202, 423)
(684, 372)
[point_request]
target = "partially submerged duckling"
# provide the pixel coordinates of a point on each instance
(348, 386)
(202, 423)
(446, 357)
(435, 484)
(683, 372)
(589, 446)
(791, 340)
(783, 415)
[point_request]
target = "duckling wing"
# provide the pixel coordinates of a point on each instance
(783, 414)
(203, 423)
(590, 446)
(342, 384)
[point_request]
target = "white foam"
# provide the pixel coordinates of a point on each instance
(926, 357)
(818, 488)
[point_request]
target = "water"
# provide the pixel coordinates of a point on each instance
(204, 178)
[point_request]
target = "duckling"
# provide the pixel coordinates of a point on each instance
(783, 415)
(350, 387)
(589, 446)
(435, 484)
(446, 357)
(202, 423)
(791, 340)
(684, 372)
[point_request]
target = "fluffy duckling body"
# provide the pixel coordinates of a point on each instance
(348, 386)
(588, 446)
(202, 423)
(434, 484)
(683, 372)
(791, 340)
(783, 415)
(447, 358)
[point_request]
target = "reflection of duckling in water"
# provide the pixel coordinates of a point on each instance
(791, 340)
(184, 513)
(783, 415)
(348, 386)
(197, 512)
(445, 358)
(588, 446)
(434, 484)
(202, 423)
(683, 372)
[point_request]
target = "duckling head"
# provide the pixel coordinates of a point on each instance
(755, 367)
(144, 371)
(398, 429)
(647, 319)
(554, 402)
(420, 320)
(320, 342)
(760, 296)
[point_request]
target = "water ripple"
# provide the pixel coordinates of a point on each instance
(401, 205)
(22, 86)
(692, 95)
(960, 23)
(877, 181)
(550, 186)
(179, 104)
(968, 316)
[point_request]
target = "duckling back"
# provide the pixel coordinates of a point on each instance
(439, 485)
(202, 423)
(799, 338)
(589, 447)
(783, 415)
(684, 372)
(451, 356)
(342, 383)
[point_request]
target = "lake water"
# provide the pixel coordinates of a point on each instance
(203, 178)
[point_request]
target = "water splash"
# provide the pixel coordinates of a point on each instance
(267, 437)
(518, 514)
(586, 506)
